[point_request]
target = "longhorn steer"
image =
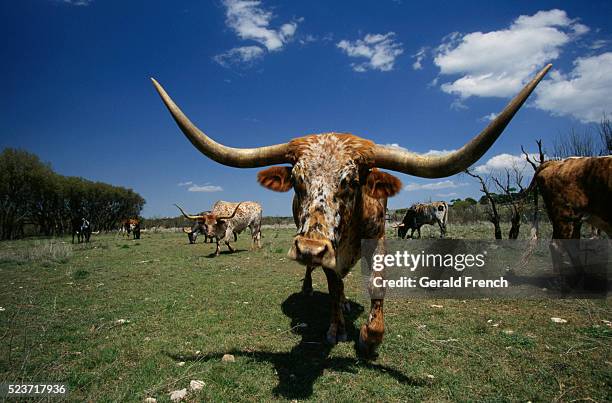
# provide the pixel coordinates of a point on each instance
(575, 190)
(341, 196)
(228, 219)
(199, 227)
(420, 214)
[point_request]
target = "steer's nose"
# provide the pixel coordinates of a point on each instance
(313, 252)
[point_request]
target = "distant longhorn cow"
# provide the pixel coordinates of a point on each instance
(575, 190)
(227, 218)
(193, 232)
(420, 214)
(82, 229)
(341, 196)
(199, 227)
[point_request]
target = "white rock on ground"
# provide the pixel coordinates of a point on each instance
(178, 395)
(228, 358)
(558, 320)
(196, 385)
(150, 400)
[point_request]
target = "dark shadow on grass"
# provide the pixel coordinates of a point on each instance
(226, 252)
(299, 368)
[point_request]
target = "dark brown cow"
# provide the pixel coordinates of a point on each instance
(341, 196)
(575, 190)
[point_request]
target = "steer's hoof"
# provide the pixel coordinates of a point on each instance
(335, 336)
(346, 307)
(367, 349)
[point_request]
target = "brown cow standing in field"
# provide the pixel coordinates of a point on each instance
(575, 190)
(130, 226)
(341, 196)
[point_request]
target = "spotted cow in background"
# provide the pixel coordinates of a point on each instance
(341, 196)
(420, 214)
(199, 227)
(227, 219)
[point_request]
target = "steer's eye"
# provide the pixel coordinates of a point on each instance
(348, 184)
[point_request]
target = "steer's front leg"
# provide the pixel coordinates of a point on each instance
(371, 333)
(337, 331)
(307, 282)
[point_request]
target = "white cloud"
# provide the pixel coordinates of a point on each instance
(379, 50)
(430, 153)
(498, 63)
(242, 55)
(250, 21)
(78, 2)
(308, 39)
(501, 162)
(584, 93)
(599, 43)
(446, 184)
(418, 59)
(184, 183)
(445, 195)
(205, 188)
(488, 118)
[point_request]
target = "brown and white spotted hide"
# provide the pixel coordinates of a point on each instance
(339, 200)
(575, 190)
(248, 215)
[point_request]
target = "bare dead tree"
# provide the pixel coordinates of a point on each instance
(493, 214)
(576, 144)
(605, 132)
(508, 186)
(535, 163)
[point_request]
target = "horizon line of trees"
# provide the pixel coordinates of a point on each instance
(35, 200)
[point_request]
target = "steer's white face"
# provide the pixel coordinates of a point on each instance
(330, 177)
(327, 187)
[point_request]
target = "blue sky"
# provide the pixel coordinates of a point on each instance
(424, 76)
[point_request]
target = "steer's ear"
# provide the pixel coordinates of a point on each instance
(275, 178)
(381, 184)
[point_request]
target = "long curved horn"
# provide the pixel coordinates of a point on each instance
(447, 165)
(189, 217)
(230, 216)
(234, 157)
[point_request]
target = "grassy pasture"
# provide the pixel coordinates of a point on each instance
(186, 309)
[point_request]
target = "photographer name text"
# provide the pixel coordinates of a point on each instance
(452, 282)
